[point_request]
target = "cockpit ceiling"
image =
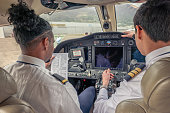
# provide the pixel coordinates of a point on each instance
(39, 8)
(5, 4)
(96, 2)
(100, 2)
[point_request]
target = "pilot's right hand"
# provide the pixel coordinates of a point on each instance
(47, 65)
(128, 34)
(106, 76)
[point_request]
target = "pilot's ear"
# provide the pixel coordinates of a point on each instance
(46, 43)
(139, 31)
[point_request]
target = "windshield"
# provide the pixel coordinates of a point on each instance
(125, 14)
(73, 23)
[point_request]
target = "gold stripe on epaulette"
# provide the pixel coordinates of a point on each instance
(135, 72)
(138, 69)
(131, 74)
(64, 81)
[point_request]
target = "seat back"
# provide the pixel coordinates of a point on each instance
(155, 87)
(8, 103)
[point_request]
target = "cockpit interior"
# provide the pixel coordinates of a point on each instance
(88, 39)
(89, 55)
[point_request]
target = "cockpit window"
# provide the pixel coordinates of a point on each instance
(125, 14)
(75, 23)
(6, 31)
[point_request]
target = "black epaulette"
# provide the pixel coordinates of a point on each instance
(60, 78)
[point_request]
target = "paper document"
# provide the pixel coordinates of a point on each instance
(59, 64)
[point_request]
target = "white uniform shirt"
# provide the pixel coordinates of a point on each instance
(41, 90)
(130, 89)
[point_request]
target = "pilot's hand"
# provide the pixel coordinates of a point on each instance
(106, 76)
(128, 34)
(49, 63)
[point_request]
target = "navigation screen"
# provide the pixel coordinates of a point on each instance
(109, 57)
(137, 55)
(77, 53)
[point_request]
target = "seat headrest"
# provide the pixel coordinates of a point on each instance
(8, 86)
(156, 86)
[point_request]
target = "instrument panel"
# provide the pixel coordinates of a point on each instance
(89, 56)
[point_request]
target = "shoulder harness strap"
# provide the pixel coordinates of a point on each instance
(60, 78)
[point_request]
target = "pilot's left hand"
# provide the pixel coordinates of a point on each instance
(106, 76)
(128, 34)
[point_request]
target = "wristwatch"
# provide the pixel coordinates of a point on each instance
(103, 87)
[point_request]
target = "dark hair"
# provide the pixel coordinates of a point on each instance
(154, 17)
(27, 25)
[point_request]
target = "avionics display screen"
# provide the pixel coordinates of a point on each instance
(109, 57)
(135, 54)
(76, 53)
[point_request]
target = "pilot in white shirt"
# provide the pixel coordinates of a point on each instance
(130, 89)
(37, 86)
(35, 83)
(152, 36)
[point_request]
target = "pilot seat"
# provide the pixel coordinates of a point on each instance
(155, 87)
(9, 103)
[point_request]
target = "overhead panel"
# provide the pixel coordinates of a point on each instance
(61, 5)
(95, 2)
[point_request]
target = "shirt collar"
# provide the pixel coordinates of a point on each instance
(31, 60)
(152, 55)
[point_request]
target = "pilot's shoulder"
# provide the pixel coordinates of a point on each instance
(49, 83)
(10, 66)
(53, 81)
(60, 78)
